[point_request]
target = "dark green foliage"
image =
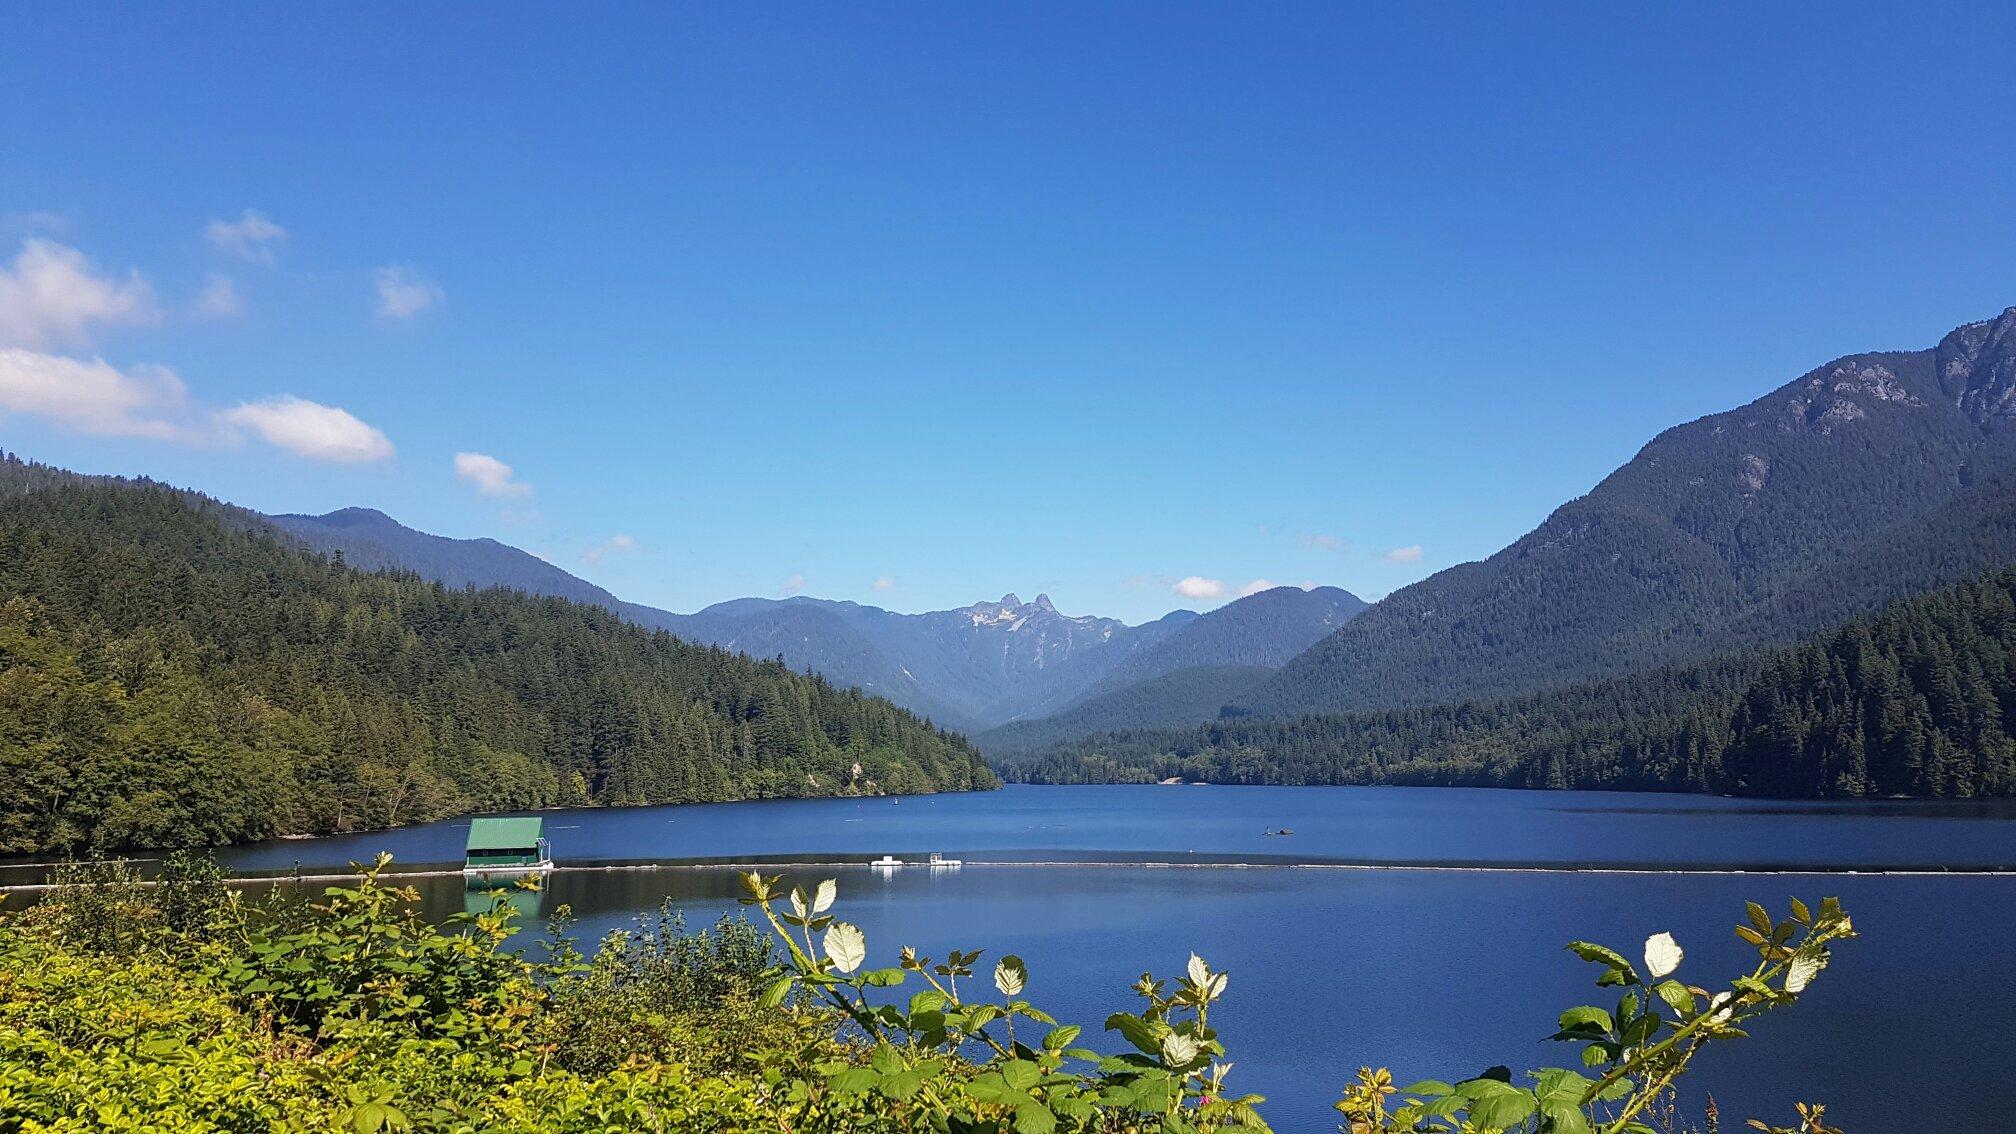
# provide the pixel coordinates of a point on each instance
(1182, 697)
(1871, 478)
(173, 673)
(1917, 700)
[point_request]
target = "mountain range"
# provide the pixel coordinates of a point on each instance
(972, 668)
(1871, 477)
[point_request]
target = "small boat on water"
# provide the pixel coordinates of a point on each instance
(887, 862)
(940, 860)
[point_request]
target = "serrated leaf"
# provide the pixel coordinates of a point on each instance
(823, 900)
(1801, 973)
(845, 946)
(1662, 955)
(1011, 976)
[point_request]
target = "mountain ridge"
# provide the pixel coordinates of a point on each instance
(1746, 527)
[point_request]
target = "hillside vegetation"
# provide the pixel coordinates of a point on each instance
(1917, 700)
(174, 673)
(186, 1008)
(1871, 478)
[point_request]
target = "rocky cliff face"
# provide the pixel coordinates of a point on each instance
(1976, 365)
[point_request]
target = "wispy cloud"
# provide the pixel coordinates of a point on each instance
(1316, 541)
(885, 583)
(403, 292)
(791, 586)
(1256, 586)
(490, 476)
(1408, 554)
(52, 295)
(219, 299)
(252, 236)
(618, 544)
(312, 430)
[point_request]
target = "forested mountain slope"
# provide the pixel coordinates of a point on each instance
(1875, 476)
(370, 540)
(175, 672)
(1266, 629)
(1182, 697)
(1917, 700)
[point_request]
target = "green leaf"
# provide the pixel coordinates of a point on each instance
(1587, 1016)
(1758, 916)
(1034, 1118)
(775, 994)
(1496, 1104)
(855, 1080)
(1058, 1038)
(1427, 1088)
(1021, 1074)
(1677, 995)
(1602, 955)
(902, 1084)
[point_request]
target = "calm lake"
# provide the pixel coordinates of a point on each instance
(1435, 973)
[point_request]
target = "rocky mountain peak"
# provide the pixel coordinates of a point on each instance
(1976, 365)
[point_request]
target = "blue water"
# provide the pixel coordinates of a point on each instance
(1434, 973)
(1331, 824)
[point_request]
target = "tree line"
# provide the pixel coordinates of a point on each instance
(174, 672)
(1916, 700)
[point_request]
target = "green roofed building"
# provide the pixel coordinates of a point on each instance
(502, 848)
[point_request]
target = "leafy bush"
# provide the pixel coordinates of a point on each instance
(178, 1007)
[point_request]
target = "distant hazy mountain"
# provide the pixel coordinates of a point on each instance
(370, 540)
(969, 668)
(1177, 699)
(1265, 629)
(1874, 476)
(1195, 670)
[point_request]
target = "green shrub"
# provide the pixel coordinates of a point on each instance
(176, 1007)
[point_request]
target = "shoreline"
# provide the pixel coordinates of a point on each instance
(1440, 868)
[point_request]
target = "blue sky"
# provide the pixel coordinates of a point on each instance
(915, 305)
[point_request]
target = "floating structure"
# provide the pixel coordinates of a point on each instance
(887, 862)
(501, 851)
(940, 860)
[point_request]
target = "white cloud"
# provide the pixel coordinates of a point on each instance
(792, 585)
(1315, 541)
(617, 544)
(491, 476)
(885, 583)
(252, 237)
(1198, 587)
(1256, 586)
(95, 397)
(1410, 554)
(403, 292)
(219, 299)
(312, 430)
(52, 295)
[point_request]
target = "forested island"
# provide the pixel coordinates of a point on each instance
(174, 672)
(1915, 700)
